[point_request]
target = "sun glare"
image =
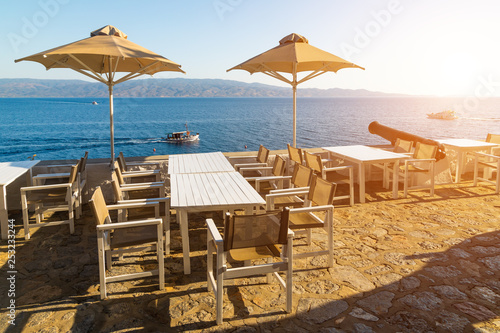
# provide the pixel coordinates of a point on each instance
(457, 73)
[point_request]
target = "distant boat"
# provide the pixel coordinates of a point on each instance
(444, 115)
(94, 103)
(181, 137)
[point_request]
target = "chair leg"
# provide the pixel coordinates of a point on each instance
(220, 286)
(432, 178)
(102, 266)
(289, 275)
(351, 186)
(406, 176)
(329, 230)
(161, 260)
(476, 169)
(24, 205)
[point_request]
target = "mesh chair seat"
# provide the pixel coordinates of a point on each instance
(253, 253)
(304, 220)
(52, 196)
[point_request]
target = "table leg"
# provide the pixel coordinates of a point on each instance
(4, 216)
(395, 179)
(183, 221)
(362, 182)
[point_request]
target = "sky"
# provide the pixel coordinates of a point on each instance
(425, 47)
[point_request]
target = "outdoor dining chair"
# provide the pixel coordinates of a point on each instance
(401, 147)
(135, 177)
(251, 161)
(421, 162)
(126, 237)
(299, 184)
(316, 212)
(315, 162)
(489, 163)
(125, 167)
(267, 182)
(249, 239)
(295, 156)
(122, 193)
(51, 198)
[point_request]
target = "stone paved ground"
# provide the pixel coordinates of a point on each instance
(419, 264)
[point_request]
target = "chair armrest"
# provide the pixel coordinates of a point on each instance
(257, 168)
(292, 190)
(51, 175)
(312, 209)
(145, 200)
(420, 160)
(140, 186)
(141, 173)
(264, 178)
(249, 165)
(214, 232)
(241, 157)
(131, 224)
(45, 187)
(478, 154)
(132, 205)
(152, 184)
(338, 168)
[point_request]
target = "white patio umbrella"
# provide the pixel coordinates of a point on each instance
(294, 54)
(101, 56)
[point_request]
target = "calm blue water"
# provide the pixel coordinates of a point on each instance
(55, 128)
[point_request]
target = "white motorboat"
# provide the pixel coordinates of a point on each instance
(445, 115)
(181, 137)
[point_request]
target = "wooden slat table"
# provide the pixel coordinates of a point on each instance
(462, 147)
(9, 172)
(217, 191)
(198, 163)
(364, 155)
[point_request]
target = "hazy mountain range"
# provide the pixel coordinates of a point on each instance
(167, 88)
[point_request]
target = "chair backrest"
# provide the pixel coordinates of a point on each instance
(263, 154)
(321, 191)
(402, 146)
(314, 162)
(121, 162)
(118, 174)
(301, 176)
(73, 173)
(279, 166)
(295, 154)
(99, 208)
(244, 231)
(425, 151)
(117, 191)
(493, 138)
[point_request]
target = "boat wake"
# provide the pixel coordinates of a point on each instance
(481, 119)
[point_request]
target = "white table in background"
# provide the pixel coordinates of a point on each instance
(218, 191)
(462, 147)
(198, 163)
(9, 172)
(364, 155)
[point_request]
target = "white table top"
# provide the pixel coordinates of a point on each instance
(198, 163)
(212, 190)
(365, 154)
(466, 143)
(9, 171)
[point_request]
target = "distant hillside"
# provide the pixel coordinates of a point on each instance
(166, 88)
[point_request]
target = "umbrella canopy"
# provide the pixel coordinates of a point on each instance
(106, 52)
(294, 54)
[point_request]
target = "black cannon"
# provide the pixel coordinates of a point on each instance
(392, 135)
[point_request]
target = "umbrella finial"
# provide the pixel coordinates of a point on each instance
(108, 30)
(293, 38)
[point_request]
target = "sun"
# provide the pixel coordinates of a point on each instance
(457, 73)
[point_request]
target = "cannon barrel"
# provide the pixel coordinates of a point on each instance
(392, 135)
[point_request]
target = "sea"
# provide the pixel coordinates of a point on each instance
(64, 128)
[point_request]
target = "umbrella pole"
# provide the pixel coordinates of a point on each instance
(294, 116)
(111, 126)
